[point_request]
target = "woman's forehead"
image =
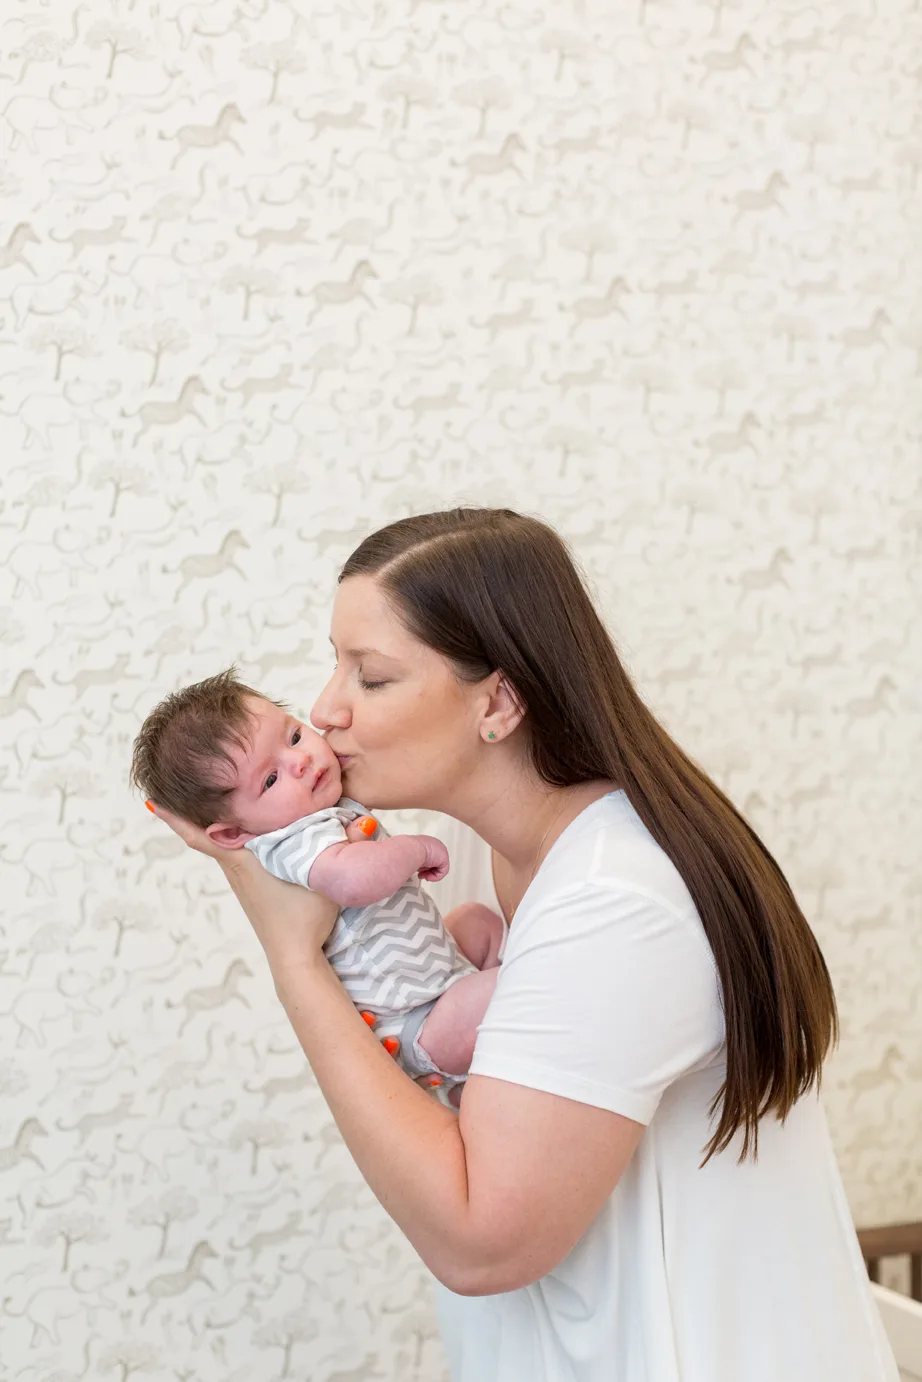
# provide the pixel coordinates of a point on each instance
(363, 622)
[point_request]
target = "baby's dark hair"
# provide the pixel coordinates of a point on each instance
(177, 755)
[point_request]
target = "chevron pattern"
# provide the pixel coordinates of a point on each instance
(393, 955)
(390, 956)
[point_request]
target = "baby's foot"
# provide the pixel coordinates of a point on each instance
(452, 1095)
(477, 931)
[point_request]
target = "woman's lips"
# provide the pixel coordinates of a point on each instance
(343, 760)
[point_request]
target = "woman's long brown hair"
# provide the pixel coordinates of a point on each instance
(492, 589)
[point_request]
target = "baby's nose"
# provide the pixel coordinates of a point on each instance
(301, 764)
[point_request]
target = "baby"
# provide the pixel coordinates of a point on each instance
(238, 765)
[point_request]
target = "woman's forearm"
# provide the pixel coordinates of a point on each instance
(407, 1146)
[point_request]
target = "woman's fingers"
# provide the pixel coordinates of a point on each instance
(291, 923)
(190, 834)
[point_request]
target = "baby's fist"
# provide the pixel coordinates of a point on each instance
(435, 864)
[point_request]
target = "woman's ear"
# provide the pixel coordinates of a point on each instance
(505, 706)
(229, 836)
(512, 695)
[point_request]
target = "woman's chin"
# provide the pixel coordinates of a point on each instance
(356, 790)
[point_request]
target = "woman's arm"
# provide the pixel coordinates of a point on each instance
(491, 1199)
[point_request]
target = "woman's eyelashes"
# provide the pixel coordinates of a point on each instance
(273, 777)
(365, 685)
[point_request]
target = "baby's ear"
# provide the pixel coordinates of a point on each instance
(229, 836)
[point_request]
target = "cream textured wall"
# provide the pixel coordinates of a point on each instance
(273, 274)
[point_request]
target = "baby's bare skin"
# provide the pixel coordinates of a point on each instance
(449, 1032)
(478, 931)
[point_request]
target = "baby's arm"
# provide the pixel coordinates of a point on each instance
(368, 871)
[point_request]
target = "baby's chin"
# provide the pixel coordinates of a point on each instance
(329, 790)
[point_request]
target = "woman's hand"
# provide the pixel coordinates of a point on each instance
(291, 923)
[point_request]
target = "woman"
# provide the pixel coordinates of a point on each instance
(639, 1185)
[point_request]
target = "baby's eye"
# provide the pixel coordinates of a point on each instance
(270, 780)
(296, 736)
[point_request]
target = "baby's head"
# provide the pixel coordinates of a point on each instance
(232, 761)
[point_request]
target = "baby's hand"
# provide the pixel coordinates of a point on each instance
(435, 865)
(362, 829)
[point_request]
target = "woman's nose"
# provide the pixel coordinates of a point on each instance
(326, 712)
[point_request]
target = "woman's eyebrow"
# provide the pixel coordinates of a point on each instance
(363, 652)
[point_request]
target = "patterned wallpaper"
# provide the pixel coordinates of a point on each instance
(272, 274)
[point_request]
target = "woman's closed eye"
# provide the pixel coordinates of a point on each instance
(273, 776)
(367, 685)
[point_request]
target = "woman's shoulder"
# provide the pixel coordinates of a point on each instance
(612, 873)
(607, 848)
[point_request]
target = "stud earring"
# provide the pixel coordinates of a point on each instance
(491, 735)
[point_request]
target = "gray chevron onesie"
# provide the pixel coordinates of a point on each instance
(394, 958)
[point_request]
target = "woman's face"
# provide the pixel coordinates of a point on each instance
(403, 727)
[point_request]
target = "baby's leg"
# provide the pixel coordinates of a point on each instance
(449, 1032)
(478, 932)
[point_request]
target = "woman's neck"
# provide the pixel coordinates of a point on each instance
(522, 819)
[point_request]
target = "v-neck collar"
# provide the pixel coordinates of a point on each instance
(580, 816)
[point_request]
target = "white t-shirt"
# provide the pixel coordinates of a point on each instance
(608, 994)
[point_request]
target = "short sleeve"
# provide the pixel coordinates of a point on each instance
(606, 996)
(290, 852)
